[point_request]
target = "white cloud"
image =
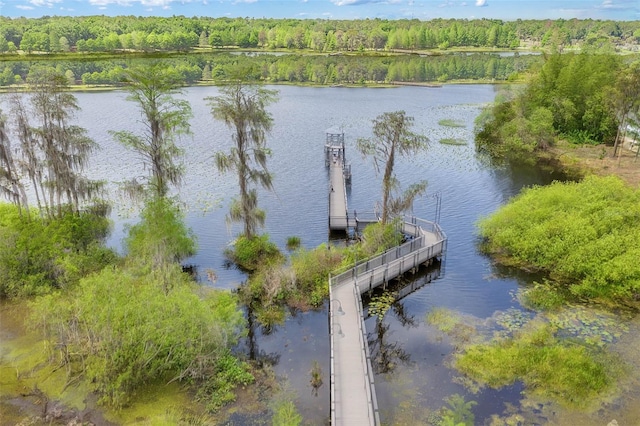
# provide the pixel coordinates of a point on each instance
(24, 7)
(355, 2)
(610, 4)
(481, 3)
(46, 3)
(147, 3)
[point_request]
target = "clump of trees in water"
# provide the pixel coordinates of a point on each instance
(582, 98)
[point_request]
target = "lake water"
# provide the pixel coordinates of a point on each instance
(468, 189)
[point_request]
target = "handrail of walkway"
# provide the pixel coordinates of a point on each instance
(332, 374)
(370, 389)
(395, 259)
(412, 226)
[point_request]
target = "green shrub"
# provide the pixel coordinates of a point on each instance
(543, 297)
(585, 235)
(219, 388)
(376, 239)
(37, 256)
(161, 236)
(123, 329)
(252, 253)
(293, 243)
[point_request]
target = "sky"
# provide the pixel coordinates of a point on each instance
(621, 10)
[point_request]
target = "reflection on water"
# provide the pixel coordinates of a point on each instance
(466, 283)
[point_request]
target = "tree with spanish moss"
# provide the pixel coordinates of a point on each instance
(392, 139)
(164, 118)
(55, 152)
(10, 185)
(242, 107)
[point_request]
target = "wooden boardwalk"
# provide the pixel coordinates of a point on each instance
(353, 397)
(338, 215)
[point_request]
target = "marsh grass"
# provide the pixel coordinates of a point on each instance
(569, 372)
(443, 319)
(453, 141)
(293, 243)
(448, 122)
(542, 297)
(451, 324)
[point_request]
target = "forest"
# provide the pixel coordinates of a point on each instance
(103, 34)
(319, 52)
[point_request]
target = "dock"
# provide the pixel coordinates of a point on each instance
(352, 387)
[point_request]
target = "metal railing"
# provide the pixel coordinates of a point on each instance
(418, 246)
(376, 269)
(369, 388)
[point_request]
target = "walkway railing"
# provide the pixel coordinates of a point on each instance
(427, 241)
(421, 246)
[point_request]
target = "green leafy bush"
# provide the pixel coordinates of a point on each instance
(161, 236)
(252, 253)
(376, 239)
(311, 269)
(123, 329)
(38, 255)
(585, 235)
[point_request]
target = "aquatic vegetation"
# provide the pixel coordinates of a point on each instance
(594, 327)
(512, 320)
(567, 372)
(316, 376)
(286, 414)
(452, 324)
(380, 305)
(284, 408)
(453, 141)
(542, 296)
(444, 319)
(448, 122)
(293, 243)
(459, 411)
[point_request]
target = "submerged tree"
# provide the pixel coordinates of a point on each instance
(393, 138)
(164, 118)
(242, 107)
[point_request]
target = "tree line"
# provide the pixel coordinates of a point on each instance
(312, 69)
(103, 33)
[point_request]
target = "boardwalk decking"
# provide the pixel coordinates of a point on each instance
(353, 396)
(338, 217)
(353, 399)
